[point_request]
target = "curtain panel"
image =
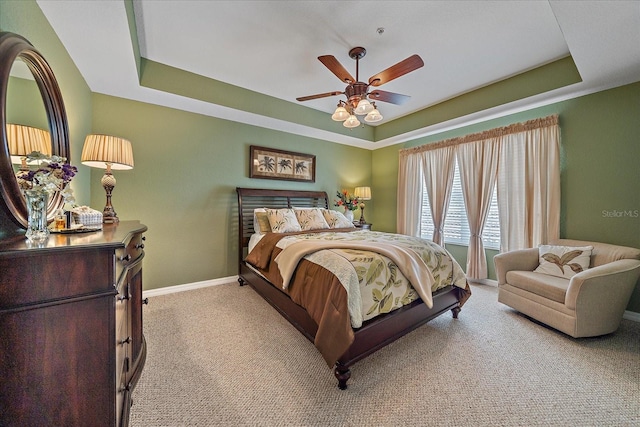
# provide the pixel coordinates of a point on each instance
(478, 163)
(409, 209)
(438, 167)
(521, 160)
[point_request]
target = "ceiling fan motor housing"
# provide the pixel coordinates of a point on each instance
(355, 92)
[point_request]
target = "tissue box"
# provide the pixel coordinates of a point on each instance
(86, 216)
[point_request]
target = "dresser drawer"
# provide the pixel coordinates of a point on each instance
(121, 380)
(122, 304)
(26, 278)
(128, 255)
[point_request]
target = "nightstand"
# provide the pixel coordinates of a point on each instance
(362, 225)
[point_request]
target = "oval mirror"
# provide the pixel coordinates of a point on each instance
(13, 49)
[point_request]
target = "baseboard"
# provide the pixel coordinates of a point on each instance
(489, 282)
(631, 315)
(188, 286)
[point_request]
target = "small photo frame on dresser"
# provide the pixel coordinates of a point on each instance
(270, 163)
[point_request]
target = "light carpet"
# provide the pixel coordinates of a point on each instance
(222, 356)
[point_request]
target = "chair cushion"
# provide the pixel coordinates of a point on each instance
(544, 285)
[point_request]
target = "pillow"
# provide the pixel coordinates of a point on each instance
(336, 219)
(563, 261)
(311, 219)
(282, 220)
(261, 221)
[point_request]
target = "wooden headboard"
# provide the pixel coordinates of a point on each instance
(253, 198)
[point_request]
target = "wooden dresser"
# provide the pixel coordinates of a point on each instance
(71, 342)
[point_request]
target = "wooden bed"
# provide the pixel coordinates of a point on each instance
(375, 333)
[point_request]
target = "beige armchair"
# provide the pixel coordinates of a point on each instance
(588, 304)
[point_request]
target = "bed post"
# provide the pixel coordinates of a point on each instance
(342, 373)
(456, 310)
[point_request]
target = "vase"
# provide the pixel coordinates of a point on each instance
(349, 214)
(37, 230)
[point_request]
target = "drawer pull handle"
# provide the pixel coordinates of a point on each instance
(140, 246)
(145, 301)
(127, 340)
(126, 258)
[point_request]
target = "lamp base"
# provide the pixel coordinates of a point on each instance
(109, 215)
(362, 220)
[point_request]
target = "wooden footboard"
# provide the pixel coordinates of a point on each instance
(375, 333)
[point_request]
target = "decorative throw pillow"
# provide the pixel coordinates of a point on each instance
(283, 220)
(336, 219)
(261, 221)
(311, 219)
(563, 261)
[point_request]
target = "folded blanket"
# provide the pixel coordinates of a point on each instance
(407, 260)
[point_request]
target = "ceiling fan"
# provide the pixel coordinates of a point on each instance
(357, 92)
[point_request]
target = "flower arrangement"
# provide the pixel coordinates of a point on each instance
(53, 174)
(346, 200)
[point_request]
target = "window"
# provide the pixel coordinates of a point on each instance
(456, 226)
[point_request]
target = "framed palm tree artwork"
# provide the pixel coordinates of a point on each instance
(270, 163)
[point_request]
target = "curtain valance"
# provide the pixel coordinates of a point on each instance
(484, 135)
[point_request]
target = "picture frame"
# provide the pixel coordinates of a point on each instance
(270, 163)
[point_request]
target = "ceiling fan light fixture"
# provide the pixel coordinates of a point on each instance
(340, 115)
(351, 122)
(374, 116)
(364, 107)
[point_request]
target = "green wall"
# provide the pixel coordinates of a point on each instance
(26, 19)
(24, 104)
(182, 187)
(600, 176)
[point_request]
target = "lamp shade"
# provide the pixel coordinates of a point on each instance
(351, 122)
(341, 114)
(24, 140)
(100, 150)
(363, 107)
(373, 116)
(363, 193)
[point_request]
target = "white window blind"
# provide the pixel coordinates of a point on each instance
(456, 225)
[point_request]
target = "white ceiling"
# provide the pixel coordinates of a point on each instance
(271, 47)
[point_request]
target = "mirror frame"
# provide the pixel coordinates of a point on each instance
(13, 47)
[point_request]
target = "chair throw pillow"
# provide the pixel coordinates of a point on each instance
(563, 261)
(283, 220)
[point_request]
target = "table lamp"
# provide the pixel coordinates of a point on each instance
(24, 140)
(108, 152)
(362, 193)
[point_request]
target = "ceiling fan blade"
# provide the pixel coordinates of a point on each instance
(320, 95)
(336, 68)
(400, 69)
(393, 98)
